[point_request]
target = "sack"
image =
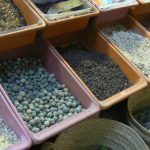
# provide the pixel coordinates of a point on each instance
(94, 133)
(136, 102)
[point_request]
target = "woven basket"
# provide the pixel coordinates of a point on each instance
(136, 102)
(46, 146)
(91, 134)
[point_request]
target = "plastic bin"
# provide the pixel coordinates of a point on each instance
(143, 2)
(141, 13)
(132, 24)
(64, 75)
(14, 124)
(62, 26)
(108, 16)
(143, 8)
(96, 42)
(22, 35)
(111, 14)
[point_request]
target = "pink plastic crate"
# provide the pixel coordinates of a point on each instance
(14, 124)
(54, 65)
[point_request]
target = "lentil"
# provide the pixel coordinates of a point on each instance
(134, 46)
(36, 106)
(101, 74)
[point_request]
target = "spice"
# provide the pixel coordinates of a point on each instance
(7, 136)
(100, 73)
(134, 46)
(10, 16)
(143, 117)
(38, 96)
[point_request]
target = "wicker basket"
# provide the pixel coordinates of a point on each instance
(135, 103)
(100, 132)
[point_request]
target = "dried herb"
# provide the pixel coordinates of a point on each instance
(10, 16)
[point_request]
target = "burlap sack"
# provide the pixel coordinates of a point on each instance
(136, 102)
(90, 134)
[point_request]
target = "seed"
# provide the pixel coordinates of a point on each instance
(7, 136)
(133, 45)
(99, 72)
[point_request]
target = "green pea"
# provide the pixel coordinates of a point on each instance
(20, 109)
(60, 117)
(36, 105)
(65, 110)
(41, 115)
(39, 125)
(72, 110)
(65, 117)
(16, 104)
(25, 107)
(46, 106)
(55, 113)
(74, 104)
(35, 130)
(37, 100)
(52, 121)
(68, 104)
(41, 107)
(31, 122)
(29, 111)
(37, 110)
(60, 112)
(47, 110)
(69, 114)
(30, 127)
(46, 123)
(41, 102)
(42, 127)
(34, 114)
(25, 102)
(50, 115)
(27, 118)
(32, 107)
(42, 119)
(78, 109)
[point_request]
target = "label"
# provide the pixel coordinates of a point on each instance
(111, 4)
